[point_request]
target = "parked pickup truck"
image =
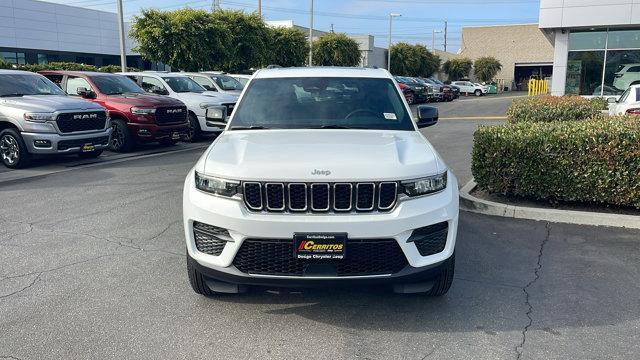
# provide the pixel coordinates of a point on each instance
(197, 99)
(37, 118)
(135, 115)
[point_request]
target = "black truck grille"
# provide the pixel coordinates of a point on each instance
(171, 115)
(363, 257)
(430, 240)
(84, 121)
(229, 107)
(320, 197)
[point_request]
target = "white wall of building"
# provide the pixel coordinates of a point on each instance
(586, 13)
(31, 24)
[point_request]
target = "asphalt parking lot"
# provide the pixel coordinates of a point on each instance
(92, 266)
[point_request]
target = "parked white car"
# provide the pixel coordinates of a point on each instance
(214, 81)
(485, 88)
(322, 178)
(242, 78)
(469, 87)
(626, 75)
(195, 97)
(628, 103)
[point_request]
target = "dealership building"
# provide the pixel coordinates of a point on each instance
(596, 45)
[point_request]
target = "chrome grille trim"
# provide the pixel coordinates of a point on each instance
(373, 196)
(395, 195)
(269, 207)
(244, 193)
(328, 196)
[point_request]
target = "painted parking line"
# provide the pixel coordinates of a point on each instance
(475, 118)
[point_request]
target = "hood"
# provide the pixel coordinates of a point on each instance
(339, 155)
(49, 103)
(144, 100)
(207, 97)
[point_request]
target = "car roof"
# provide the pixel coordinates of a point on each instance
(154, 73)
(76, 73)
(322, 71)
(9, 71)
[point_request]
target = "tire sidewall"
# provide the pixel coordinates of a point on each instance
(24, 157)
(478, 92)
(127, 144)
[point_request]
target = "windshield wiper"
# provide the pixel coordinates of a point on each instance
(336, 127)
(253, 127)
(12, 95)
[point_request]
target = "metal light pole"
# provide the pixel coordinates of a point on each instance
(311, 33)
(260, 8)
(123, 55)
(433, 38)
(391, 16)
(445, 35)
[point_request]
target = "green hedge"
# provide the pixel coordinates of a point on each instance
(591, 161)
(554, 108)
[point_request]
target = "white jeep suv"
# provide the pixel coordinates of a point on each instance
(195, 97)
(321, 178)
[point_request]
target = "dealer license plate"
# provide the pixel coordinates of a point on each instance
(320, 246)
(88, 148)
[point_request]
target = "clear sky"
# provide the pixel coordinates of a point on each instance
(419, 17)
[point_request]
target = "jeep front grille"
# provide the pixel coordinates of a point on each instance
(82, 121)
(320, 197)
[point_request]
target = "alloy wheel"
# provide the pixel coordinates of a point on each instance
(10, 150)
(117, 137)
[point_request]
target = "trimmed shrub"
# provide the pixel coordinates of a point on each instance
(591, 161)
(551, 108)
(599, 103)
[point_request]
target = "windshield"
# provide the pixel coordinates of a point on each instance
(27, 84)
(183, 84)
(303, 103)
(227, 82)
(116, 84)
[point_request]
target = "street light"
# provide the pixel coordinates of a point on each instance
(433, 38)
(311, 33)
(391, 16)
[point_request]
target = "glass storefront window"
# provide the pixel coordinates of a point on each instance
(587, 40)
(621, 71)
(624, 39)
(584, 72)
(42, 59)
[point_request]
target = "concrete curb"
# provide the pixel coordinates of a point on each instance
(471, 203)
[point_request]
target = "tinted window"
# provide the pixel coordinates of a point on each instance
(116, 84)
(204, 82)
(182, 84)
(27, 84)
(150, 84)
(75, 83)
(227, 82)
(299, 103)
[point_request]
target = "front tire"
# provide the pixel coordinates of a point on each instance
(443, 282)
(478, 92)
(121, 139)
(195, 132)
(411, 99)
(13, 150)
(196, 279)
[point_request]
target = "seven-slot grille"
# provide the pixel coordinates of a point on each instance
(84, 121)
(320, 197)
(171, 115)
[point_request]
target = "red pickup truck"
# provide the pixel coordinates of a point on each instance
(136, 116)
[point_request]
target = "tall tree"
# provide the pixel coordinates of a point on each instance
(336, 49)
(486, 68)
(457, 69)
(288, 47)
(413, 60)
(249, 43)
(185, 39)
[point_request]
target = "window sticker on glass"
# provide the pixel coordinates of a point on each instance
(390, 116)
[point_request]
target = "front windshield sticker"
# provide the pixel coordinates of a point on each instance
(390, 116)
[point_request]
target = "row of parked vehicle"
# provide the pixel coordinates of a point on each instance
(65, 112)
(419, 90)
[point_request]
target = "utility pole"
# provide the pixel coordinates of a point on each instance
(433, 39)
(391, 16)
(260, 8)
(311, 33)
(445, 36)
(332, 28)
(123, 54)
(215, 5)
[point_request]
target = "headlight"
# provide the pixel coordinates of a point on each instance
(216, 186)
(142, 111)
(39, 117)
(426, 185)
(206, 105)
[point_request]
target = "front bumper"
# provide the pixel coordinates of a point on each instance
(154, 132)
(231, 214)
(211, 126)
(65, 144)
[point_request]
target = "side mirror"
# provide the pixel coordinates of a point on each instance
(159, 91)
(612, 100)
(427, 116)
(216, 113)
(85, 93)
